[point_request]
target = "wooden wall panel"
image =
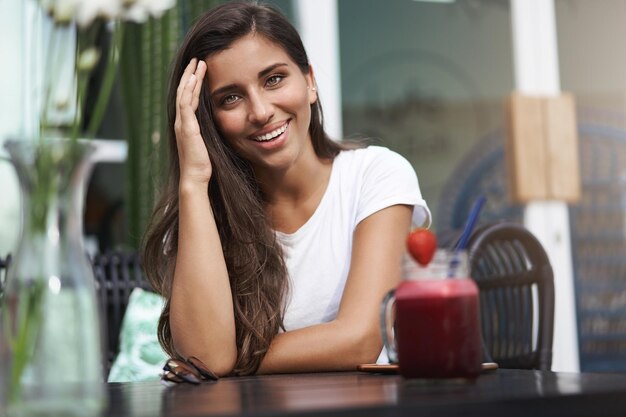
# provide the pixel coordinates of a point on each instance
(542, 148)
(526, 154)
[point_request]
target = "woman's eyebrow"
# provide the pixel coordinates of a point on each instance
(224, 89)
(271, 68)
(264, 72)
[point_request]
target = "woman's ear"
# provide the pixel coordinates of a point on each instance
(311, 86)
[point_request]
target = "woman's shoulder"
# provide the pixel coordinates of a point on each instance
(372, 156)
(379, 177)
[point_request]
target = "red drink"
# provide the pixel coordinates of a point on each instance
(437, 328)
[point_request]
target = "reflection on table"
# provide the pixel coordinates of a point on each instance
(503, 392)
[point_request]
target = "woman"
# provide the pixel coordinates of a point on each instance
(272, 244)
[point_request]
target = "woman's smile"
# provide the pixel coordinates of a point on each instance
(273, 139)
(269, 135)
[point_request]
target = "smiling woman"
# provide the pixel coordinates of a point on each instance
(272, 244)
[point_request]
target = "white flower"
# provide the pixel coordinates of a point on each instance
(62, 11)
(88, 10)
(84, 12)
(88, 59)
(141, 10)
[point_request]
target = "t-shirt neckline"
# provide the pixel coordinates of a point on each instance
(319, 209)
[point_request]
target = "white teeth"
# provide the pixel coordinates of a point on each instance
(273, 134)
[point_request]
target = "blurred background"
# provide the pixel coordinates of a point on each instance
(426, 78)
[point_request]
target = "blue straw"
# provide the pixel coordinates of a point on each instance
(467, 232)
(471, 222)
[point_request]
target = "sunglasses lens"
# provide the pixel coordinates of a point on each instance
(182, 371)
(202, 368)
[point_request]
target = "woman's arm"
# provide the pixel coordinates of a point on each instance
(201, 296)
(354, 336)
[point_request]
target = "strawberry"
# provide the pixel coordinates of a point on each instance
(422, 244)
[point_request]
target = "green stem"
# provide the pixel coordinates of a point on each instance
(86, 39)
(44, 185)
(81, 87)
(54, 64)
(29, 320)
(107, 83)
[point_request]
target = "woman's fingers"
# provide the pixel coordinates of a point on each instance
(199, 75)
(190, 69)
(191, 91)
(188, 94)
(189, 122)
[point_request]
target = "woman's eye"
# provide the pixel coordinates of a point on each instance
(229, 99)
(273, 80)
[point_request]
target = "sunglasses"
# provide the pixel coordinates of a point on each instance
(190, 370)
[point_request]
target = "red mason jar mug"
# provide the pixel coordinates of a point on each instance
(436, 333)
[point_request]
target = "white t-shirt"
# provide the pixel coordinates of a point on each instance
(317, 256)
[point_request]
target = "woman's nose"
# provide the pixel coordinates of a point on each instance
(261, 110)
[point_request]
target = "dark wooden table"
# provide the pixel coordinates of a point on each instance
(508, 393)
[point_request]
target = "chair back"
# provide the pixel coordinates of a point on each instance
(116, 274)
(516, 284)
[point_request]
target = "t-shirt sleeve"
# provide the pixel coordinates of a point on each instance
(389, 179)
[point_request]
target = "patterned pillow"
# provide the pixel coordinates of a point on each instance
(141, 357)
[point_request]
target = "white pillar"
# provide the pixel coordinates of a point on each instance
(13, 81)
(14, 37)
(317, 23)
(537, 73)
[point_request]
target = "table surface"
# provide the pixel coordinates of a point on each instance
(503, 392)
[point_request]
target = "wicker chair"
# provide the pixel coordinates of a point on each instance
(117, 274)
(516, 286)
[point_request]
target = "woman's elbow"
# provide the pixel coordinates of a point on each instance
(367, 346)
(223, 368)
(221, 362)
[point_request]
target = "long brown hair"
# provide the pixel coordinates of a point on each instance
(257, 273)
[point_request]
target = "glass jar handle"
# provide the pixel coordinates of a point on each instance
(389, 339)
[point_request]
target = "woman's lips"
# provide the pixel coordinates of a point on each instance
(273, 134)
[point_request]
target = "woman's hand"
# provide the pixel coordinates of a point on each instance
(195, 164)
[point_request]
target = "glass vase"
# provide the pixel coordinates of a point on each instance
(50, 338)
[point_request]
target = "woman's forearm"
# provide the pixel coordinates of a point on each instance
(334, 346)
(201, 311)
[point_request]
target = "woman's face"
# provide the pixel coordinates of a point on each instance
(261, 102)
